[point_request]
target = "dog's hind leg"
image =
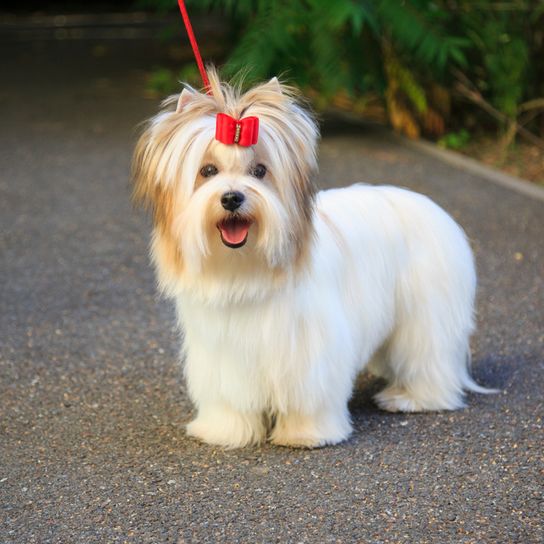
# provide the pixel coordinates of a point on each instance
(427, 370)
(428, 353)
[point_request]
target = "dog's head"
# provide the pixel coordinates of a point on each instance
(225, 209)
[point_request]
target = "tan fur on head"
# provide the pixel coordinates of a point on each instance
(172, 149)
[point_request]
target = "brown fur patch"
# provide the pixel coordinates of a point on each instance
(163, 218)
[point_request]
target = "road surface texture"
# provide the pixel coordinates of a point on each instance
(93, 405)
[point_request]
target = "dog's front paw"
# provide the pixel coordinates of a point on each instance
(227, 428)
(304, 431)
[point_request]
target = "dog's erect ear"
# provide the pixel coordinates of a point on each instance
(274, 84)
(184, 98)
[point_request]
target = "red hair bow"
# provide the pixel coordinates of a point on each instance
(236, 131)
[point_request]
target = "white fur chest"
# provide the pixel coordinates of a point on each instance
(266, 355)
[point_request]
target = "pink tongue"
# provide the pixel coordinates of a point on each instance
(234, 231)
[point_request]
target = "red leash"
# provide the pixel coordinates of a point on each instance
(194, 45)
(228, 130)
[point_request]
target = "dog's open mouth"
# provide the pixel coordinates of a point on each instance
(234, 231)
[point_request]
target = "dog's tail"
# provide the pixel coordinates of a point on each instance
(469, 384)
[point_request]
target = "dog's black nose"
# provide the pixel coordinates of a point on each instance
(232, 200)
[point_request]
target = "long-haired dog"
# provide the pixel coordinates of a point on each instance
(284, 294)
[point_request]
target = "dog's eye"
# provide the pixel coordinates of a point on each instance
(208, 171)
(259, 171)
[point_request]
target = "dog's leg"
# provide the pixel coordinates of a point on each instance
(327, 426)
(428, 352)
(221, 425)
(427, 368)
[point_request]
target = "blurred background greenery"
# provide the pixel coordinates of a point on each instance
(424, 62)
(468, 74)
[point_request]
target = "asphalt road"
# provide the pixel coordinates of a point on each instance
(92, 446)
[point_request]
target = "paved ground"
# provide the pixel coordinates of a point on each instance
(92, 447)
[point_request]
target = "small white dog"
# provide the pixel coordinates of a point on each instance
(283, 294)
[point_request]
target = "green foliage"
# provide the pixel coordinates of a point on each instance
(399, 50)
(313, 42)
(161, 81)
(424, 30)
(338, 45)
(455, 140)
(501, 43)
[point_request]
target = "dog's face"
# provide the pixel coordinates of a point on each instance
(224, 209)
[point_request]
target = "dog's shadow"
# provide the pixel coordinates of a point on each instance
(495, 372)
(366, 387)
(362, 406)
